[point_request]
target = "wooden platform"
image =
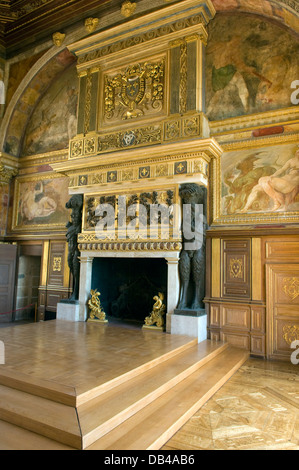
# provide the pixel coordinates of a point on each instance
(86, 386)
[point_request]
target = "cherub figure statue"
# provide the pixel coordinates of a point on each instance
(156, 317)
(96, 311)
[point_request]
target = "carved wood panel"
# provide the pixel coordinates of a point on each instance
(242, 326)
(282, 308)
(258, 319)
(241, 341)
(8, 255)
(235, 317)
(56, 264)
(236, 272)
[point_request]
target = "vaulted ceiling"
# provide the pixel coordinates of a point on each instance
(26, 21)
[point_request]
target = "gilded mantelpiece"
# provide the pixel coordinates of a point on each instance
(141, 117)
(142, 130)
(142, 82)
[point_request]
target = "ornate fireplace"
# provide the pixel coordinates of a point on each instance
(142, 134)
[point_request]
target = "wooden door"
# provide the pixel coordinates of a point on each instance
(8, 256)
(282, 309)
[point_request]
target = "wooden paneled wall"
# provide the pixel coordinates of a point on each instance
(252, 293)
(55, 277)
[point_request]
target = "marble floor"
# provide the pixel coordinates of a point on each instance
(258, 409)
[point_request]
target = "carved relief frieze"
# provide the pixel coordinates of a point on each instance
(145, 198)
(129, 139)
(166, 131)
(167, 167)
(143, 38)
(132, 223)
(77, 148)
(91, 243)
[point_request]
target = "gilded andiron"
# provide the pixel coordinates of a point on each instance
(156, 317)
(97, 315)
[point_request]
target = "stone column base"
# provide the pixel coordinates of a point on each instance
(194, 326)
(68, 311)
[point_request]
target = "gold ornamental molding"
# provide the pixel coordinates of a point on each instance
(94, 244)
(165, 24)
(236, 268)
(290, 333)
(48, 158)
(255, 121)
(169, 151)
(6, 174)
(260, 142)
(57, 264)
(9, 167)
(170, 167)
(166, 131)
(291, 287)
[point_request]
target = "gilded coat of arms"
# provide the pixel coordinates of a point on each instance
(135, 92)
(236, 268)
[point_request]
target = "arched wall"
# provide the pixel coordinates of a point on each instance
(56, 60)
(28, 94)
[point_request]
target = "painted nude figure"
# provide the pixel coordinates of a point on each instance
(282, 187)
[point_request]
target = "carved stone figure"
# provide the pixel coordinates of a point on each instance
(192, 261)
(73, 229)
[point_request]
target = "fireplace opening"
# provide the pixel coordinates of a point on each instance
(128, 286)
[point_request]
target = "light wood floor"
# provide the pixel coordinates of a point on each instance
(81, 355)
(258, 409)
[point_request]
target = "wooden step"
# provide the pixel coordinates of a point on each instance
(39, 415)
(140, 409)
(85, 396)
(15, 438)
(75, 396)
(49, 409)
(39, 387)
(155, 424)
(102, 414)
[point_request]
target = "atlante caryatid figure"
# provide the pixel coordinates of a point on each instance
(193, 261)
(73, 229)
